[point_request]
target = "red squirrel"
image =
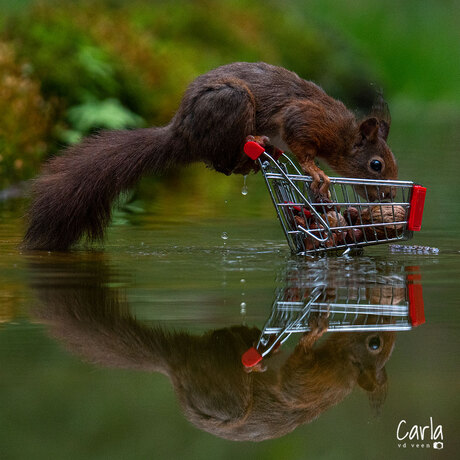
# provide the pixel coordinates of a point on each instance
(213, 388)
(219, 111)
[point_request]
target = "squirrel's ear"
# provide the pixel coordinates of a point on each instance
(367, 380)
(375, 382)
(370, 379)
(369, 129)
(378, 395)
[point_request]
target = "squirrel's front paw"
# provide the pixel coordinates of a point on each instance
(320, 186)
(318, 325)
(320, 183)
(259, 367)
(265, 142)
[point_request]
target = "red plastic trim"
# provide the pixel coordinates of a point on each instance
(253, 150)
(416, 306)
(306, 212)
(417, 203)
(251, 357)
(299, 209)
(277, 154)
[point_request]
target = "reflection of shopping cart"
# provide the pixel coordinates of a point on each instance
(396, 307)
(360, 212)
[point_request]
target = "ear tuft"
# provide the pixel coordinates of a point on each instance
(384, 129)
(381, 111)
(379, 394)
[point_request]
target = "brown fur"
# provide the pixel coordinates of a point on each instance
(219, 110)
(215, 392)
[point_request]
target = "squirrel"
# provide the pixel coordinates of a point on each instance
(218, 113)
(217, 394)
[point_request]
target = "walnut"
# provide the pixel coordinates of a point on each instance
(383, 214)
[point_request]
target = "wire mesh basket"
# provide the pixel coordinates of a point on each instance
(359, 212)
(348, 308)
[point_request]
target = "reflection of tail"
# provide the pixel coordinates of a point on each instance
(75, 193)
(94, 322)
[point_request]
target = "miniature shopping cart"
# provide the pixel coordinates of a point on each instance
(360, 212)
(397, 307)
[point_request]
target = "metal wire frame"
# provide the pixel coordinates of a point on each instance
(347, 310)
(293, 200)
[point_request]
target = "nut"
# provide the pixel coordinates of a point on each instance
(300, 221)
(335, 219)
(351, 215)
(354, 235)
(386, 214)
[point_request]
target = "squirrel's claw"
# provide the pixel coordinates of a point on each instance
(318, 326)
(321, 181)
(320, 184)
(324, 189)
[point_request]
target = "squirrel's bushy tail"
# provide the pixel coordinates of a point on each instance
(75, 192)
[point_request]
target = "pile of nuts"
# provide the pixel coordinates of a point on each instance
(351, 226)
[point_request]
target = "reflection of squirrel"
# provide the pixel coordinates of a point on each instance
(215, 392)
(218, 112)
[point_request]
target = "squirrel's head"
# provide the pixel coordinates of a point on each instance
(371, 158)
(369, 352)
(370, 150)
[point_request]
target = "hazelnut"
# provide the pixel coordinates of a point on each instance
(351, 215)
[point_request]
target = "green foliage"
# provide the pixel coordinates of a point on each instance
(107, 114)
(117, 64)
(114, 64)
(25, 121)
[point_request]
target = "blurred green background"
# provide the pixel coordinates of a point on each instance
(70, 68)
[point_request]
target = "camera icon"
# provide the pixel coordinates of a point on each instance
(438, 445)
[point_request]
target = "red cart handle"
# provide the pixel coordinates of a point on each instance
(253, 150)
(416, 307)
(251, 357)
(417, 203)
(415, 293)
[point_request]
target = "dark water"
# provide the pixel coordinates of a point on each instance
(81, 378)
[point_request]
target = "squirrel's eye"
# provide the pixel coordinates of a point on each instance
(374, 343)
(376, 165)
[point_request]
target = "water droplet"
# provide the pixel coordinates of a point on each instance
(242, 280)
(244, 190)
(243, 307)
(224, 236)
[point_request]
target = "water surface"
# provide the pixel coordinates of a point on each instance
(167, 265)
